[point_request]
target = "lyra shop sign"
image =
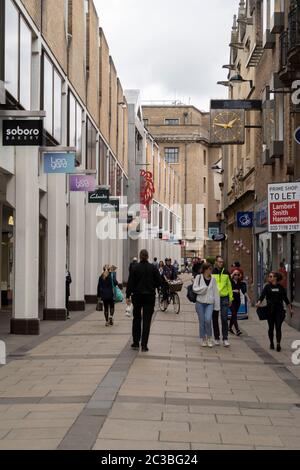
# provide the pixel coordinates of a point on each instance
(284, 207)
(82, 183)
(100, 196)
(59, 162)
(112, 206)
(27, 132)
(245, 219)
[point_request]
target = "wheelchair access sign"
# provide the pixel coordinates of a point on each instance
(245, 219)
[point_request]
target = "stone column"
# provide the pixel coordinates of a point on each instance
(77, 250)
(25, 319)
(91, 255)
(56, 249)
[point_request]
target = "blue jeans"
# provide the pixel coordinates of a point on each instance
(204, 312)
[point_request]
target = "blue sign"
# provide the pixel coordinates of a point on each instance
(63, 162)
(245, 219)
(297, 135)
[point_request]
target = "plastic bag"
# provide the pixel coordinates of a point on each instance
(129, 311)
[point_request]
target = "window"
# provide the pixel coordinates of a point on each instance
(119, 181)
(146, 122)
(75, 126)
(204, 158)
(91, 146)
(52, 100)
(112, 175)
(102, 162)
(172, 122)
(17, 59)
(204, 185)
(172, 155)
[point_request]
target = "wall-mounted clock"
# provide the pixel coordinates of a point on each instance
(227, 126)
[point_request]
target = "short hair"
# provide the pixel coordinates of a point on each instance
(219, 257)
(237, 264)
(144, 255)
(205, 267)
(155, 259)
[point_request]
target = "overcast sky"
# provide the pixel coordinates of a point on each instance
(170, 49)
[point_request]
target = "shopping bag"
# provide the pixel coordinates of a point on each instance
(118, 296)
(263, 313)
(129, 311)
(99, 307)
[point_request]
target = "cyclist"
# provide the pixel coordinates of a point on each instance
(169, 274)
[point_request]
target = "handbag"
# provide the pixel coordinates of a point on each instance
(192, 297)
(263, 313)
(99, 307)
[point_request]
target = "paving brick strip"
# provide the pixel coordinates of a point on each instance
(82, 387)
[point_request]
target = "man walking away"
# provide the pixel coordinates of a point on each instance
(222, 277)
(144, 279)
(132, 264)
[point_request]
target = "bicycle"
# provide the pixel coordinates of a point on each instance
(172, 298)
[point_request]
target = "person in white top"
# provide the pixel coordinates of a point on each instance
(208, 300)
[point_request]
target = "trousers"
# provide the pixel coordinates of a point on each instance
(145, 304)
(224, 319)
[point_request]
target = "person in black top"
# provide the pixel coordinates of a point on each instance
(68, 283)
(106, 293)
(143, 281)
(238, 287)
(275, 295)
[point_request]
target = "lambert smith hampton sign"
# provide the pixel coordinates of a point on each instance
(284, 207)
(27, 132)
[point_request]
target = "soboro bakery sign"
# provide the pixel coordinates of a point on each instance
(22, 132)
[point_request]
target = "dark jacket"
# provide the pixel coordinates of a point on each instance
(105, 287)
(144, 279)
(275, 296)
(68, 282)
(170, 273)
(241, 287)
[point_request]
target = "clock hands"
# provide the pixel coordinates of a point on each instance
(229, 125)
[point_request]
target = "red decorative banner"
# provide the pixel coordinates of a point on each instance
(147, 188)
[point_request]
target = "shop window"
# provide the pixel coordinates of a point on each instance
(17, 58)
(52, 99)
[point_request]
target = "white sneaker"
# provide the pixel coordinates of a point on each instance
(217, 342)
(203, 343)
(226, 343)
(210, 343)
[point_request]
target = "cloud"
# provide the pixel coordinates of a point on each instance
(170, 49)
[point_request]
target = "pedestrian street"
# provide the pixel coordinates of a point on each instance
(80, 386)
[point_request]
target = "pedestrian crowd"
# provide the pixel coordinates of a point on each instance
(216, 292)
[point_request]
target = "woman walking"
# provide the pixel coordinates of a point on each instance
(275, 295)
(238, 287)
(208, 300)
(106, 284)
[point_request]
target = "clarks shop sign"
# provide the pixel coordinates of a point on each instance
(23, 132)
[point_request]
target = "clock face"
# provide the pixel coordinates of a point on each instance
(227, 126)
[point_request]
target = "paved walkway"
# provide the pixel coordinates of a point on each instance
(81, 387)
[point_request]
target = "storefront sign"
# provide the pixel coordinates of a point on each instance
(100, 196)
(82, 183)
(284, 207)
(147, 189)
(261, 216)
(245, 219)
(59, 162)
(113, 205)
(213, 229)
(27, 132)
(221, 237)
(297, 135)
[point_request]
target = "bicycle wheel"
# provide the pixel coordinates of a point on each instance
(163, 305)
(176, 303)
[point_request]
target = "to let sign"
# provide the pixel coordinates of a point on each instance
(27, 132)
(284, 207)
(82, 183)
